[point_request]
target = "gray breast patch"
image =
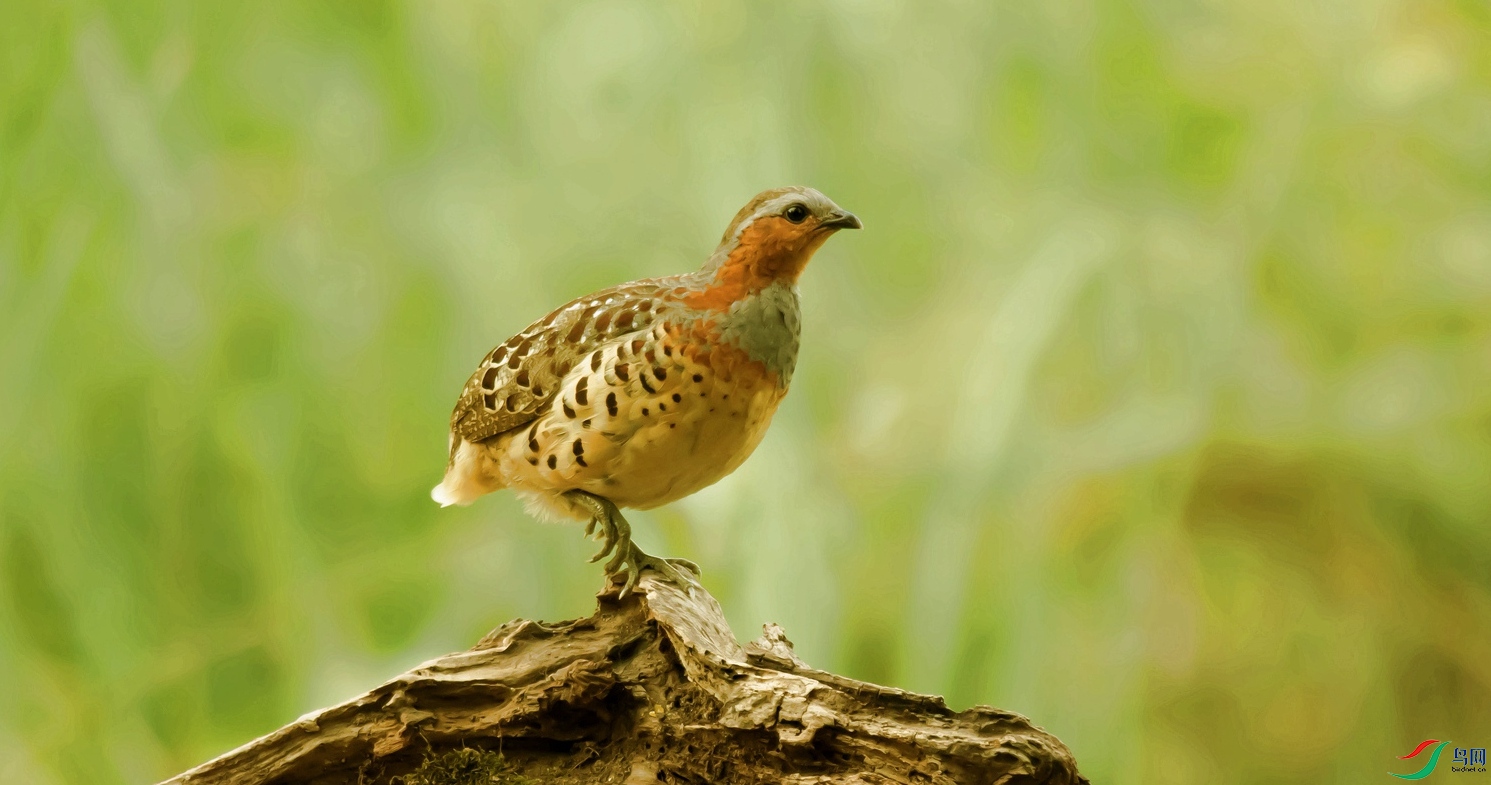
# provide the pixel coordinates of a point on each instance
(766, 326)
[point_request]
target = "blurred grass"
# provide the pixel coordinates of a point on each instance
(1154, 401)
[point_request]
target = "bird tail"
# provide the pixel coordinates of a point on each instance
(466, 477)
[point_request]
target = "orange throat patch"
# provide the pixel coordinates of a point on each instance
(769, 251)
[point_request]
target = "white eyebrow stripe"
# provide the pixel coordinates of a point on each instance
(813, 199)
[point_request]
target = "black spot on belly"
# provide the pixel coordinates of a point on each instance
(660, 374)
(568, 412)
(611, 404)
(579, 447)
(624, 372)
(553, 462)
(582, 390)
(677, 397)
(698, 378)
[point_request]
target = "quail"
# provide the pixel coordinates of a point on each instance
(641, 394)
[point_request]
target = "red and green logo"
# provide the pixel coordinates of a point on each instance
(1428, 767)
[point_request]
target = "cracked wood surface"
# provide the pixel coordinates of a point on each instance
(651, 688)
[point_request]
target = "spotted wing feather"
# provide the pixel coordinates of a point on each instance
(517, 380)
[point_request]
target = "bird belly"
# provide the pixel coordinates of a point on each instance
(642, 436)
(682, 453)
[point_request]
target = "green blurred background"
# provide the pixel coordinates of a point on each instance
(1154, 401)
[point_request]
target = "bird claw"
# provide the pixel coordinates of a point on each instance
(605, 549)
(622, 557)
(614, 531)
(687, 565)
(610, 538)
(626, 558)
(671, 570)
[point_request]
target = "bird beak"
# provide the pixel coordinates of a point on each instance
(841, 219)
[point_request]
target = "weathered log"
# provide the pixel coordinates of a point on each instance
(651, 688)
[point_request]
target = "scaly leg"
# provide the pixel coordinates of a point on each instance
(615, 532)
(616, 535)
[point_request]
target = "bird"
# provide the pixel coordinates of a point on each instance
(644, 393)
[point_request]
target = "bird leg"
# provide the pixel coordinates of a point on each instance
(616, 536)
(615, 532)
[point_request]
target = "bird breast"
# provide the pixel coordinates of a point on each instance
(766, 326)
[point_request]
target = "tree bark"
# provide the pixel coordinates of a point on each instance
(651, 688)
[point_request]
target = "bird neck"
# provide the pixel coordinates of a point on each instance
(753, 261)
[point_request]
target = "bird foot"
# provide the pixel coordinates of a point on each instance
(627, 560)
(615, 532)
(631, 563)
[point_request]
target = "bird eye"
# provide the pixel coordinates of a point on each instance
(797, 213)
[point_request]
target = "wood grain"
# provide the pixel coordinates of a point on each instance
(651, 688)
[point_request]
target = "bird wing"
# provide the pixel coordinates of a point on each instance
(518, 379)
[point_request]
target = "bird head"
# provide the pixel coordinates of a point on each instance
(774, 235)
